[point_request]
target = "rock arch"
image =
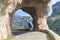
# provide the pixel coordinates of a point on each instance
(30, 10)
(37, 8)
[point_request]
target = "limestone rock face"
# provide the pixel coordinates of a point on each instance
(3, 26)
(33, 36)
(40, 8)
(10, 5)
(1, 38)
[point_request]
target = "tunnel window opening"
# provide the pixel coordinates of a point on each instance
(54, 20)
(22, 20)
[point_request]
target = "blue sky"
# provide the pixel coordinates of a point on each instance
(21, 13)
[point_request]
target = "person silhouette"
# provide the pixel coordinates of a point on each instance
(30, 26)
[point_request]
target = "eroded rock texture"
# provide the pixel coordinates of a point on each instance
(36, 8)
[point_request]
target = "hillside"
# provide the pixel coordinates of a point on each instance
(54, 19)
(21, 22)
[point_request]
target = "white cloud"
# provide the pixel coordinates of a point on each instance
(54, 1)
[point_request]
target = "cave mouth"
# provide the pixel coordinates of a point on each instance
(21, 21)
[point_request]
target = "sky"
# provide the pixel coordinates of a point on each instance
(52, 2)
(22, 13)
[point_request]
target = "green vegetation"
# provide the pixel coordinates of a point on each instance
(21, 22)
(54, 19)
(54, 25)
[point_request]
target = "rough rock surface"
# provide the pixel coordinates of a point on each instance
(32, 36)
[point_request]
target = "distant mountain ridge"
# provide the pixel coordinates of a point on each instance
(56, 9)
(54, 19)
(21, 22)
